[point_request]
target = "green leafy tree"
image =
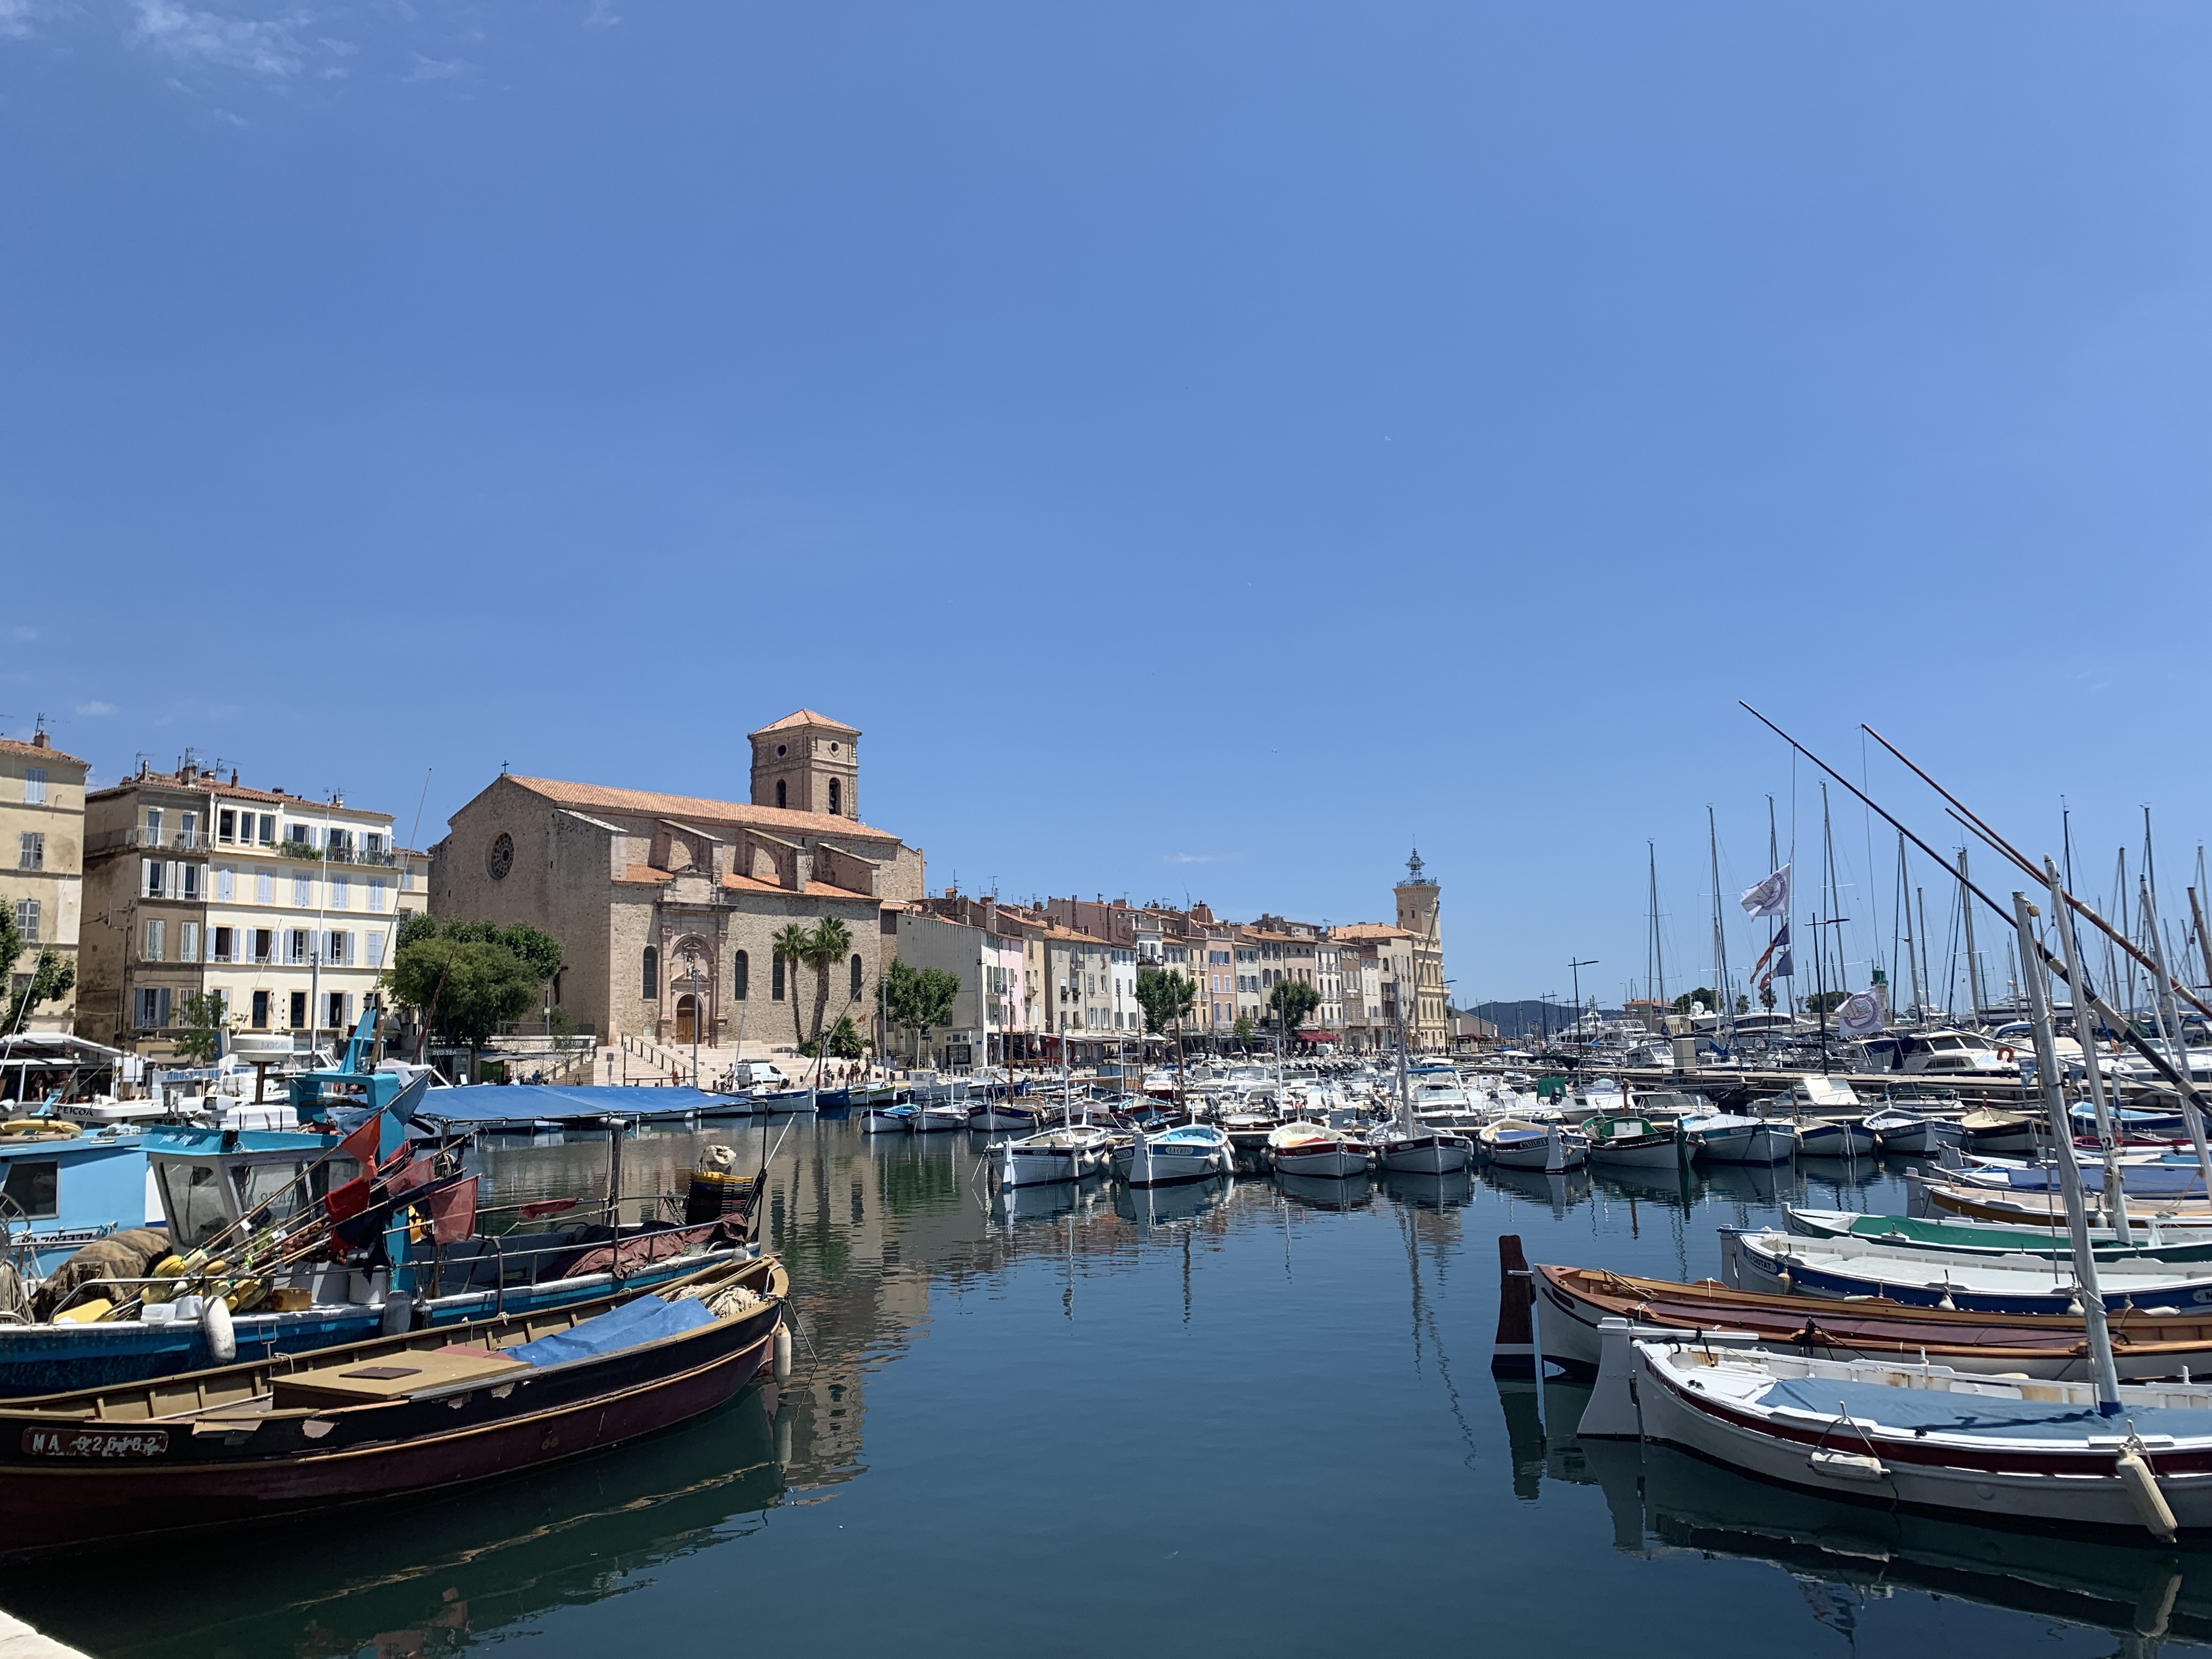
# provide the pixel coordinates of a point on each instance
(1291, 1001)
(1825, 1002)
(466, 978)
(1704, 993)
(202, 1024)
(791, 944)
(1743, 1003)
(843, 1042)
(1167, 998)
(827, 944)
(1766, 996)
(1243, 1031)
(918, 998)
(52, 976)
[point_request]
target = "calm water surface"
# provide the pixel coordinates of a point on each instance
(1257, 1418)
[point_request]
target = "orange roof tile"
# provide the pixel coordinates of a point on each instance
(1370, 930)
(32, 750)
(805, 717)
(737, 883)
(650, 804)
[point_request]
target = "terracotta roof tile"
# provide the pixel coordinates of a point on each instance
(648, 803)
(32, 750)
(805, 717)
(1370, 930)
(814, 889)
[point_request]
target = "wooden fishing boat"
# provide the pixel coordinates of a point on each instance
(1512, 1143)
(1312, 1149)
(1756, 1259)
(373, 1421)
(2152, 1237)
(1574, 1301)
(1921, 1437)
(2005, 1134)
(1632, 1140)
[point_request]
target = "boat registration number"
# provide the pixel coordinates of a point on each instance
(97, 1443)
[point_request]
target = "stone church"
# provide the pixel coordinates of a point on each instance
(665, 905)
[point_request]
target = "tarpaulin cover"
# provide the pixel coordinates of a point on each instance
(645, 1319)
(547, 1102)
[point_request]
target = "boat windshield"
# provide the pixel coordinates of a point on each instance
(277, 1185)
(192, 1194)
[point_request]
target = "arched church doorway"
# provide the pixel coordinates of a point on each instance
(687, 1019)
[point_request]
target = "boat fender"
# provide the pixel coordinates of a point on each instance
(783, 1354)
(2141, 1483)
(216, 1327)
(398, 1316)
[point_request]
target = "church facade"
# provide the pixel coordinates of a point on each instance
(666, 906)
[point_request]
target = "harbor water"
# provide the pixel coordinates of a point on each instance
(1250, 1416)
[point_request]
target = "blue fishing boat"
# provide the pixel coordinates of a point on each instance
(60, 1189)
(284, 1241)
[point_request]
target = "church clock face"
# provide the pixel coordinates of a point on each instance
(499, 857)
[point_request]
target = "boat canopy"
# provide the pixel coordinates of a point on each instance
(484, 1105)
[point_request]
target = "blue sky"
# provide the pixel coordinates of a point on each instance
(1204, 447)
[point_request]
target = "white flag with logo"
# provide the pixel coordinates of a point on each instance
(1860, 1015)
(1770, 897)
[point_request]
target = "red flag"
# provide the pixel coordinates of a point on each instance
(347, 1201)
(454, 1213)
(407, 1179)
(360, 1144)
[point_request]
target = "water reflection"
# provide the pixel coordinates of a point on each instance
(1248, 1305)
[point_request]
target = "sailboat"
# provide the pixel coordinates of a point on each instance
(1072, 1151)
(1411, 1146)
(1926, 1435)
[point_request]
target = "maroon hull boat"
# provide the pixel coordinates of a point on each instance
(384, 1419)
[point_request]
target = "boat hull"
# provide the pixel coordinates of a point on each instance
(1641, 1154)
(1336, 1163)
(1433, 1155)
(1836, 1141)
(51, 1501)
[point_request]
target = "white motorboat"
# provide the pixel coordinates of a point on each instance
(1516, 1144)
(1312, 1149)
(1193, 1152)
(1916, 1437)
(1074, 1151)
(886, 1119)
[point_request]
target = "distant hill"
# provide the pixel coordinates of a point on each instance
(1527, 1019)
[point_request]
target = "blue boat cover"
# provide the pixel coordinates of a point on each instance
(1968, 1414)
(547, 1102)
(647, 1319)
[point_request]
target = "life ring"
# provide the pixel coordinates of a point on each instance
(2004, 1056)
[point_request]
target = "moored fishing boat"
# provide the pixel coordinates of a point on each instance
(1924, 1436)
(1905, 1133)
(1074, 1151)
(887, 1120)
(1518, 1144)
(1424, 1151)
(1313, 1149)
(1835, 1138)
(2169, 1242)
(1193, 1152)
(388, 1418)
(1757, 1259)
(1575, 1301)
(1727, 1138)
(1988, 1130)
(1627, 1138)
(990, 1116)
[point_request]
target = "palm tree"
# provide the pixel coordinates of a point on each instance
(827, 945)
(791, 944)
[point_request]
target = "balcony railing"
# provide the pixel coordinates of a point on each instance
(167, 839)
(181, 841)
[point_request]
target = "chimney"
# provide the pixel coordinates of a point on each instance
(234, 777)
(991, 914)
(39, 739)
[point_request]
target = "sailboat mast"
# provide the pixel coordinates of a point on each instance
(1658, 951)
(1727, 1009)
(2052, 1085)
(1973, 962)
(1911, 955)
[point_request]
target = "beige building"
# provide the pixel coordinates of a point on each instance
(282, 907)
(42, 864)
(665, 905)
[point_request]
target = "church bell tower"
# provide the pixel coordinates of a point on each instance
(808, 762)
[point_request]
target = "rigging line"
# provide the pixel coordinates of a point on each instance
(2017, 857)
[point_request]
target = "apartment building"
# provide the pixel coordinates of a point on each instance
(284, 908)
(42, 862)
(970, 940)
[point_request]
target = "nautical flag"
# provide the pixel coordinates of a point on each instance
(1861, 1015)
(1770, 897)
(360, 1144)
(1779, 951)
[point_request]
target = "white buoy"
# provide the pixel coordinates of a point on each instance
(2141, 1483)
(215, 1325)
(783, 1354)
